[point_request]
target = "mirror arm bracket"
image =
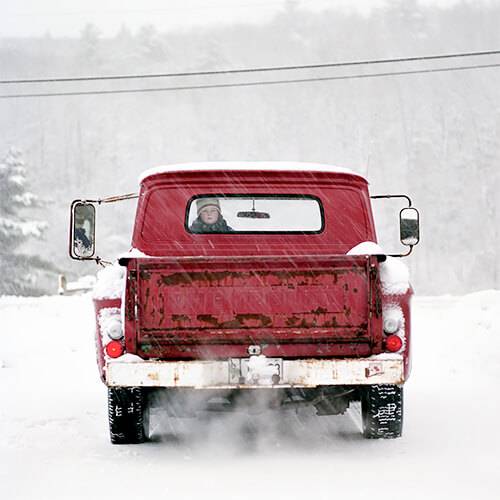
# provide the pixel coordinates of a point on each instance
(379, 196)
(402, 254)
(112, 199)
(407, 198)
(99, 201)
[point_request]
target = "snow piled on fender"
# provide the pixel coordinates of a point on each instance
(394, 274)
(110, 283)
(110, 323)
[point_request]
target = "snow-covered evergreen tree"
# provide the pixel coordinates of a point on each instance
(18, 270)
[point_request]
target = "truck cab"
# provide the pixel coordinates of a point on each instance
(249, 286)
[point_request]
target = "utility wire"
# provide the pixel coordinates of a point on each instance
(252, 70)
(115, 12)
(250, 84)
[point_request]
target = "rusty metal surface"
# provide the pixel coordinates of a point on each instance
(296, 373)
(314, 306)
(239, 348)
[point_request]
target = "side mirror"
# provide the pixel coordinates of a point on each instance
(409, 226)
(82, 231)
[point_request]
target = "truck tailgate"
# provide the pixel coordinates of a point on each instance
(217, 307)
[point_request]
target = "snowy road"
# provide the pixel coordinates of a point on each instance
(54, 439)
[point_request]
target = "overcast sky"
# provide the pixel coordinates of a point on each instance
(67, 18)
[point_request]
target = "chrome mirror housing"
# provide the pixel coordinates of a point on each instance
(409, 226)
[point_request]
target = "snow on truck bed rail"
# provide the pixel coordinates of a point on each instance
(394, 273)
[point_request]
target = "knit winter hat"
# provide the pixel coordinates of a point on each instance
(202, 203)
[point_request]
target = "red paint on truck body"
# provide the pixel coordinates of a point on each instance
(211, 296)
(160, 226)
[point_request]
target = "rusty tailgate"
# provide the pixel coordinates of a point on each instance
(192, 308)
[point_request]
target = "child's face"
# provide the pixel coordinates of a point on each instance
(209, 215)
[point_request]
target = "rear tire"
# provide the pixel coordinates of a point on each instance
(382, 411)
(127, 415)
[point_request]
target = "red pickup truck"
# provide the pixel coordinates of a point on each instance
(251, 286)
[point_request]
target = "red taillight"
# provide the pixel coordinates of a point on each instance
(114, 349)
(393, 343)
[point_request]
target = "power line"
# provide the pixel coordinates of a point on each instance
(250, 84)
(116, 12)
(252, 70)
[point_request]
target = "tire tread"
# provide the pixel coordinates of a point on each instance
(382, 411)
(126, 415)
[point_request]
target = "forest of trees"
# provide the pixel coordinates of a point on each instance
(433, 136)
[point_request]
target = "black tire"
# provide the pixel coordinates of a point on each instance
(382, 411)
(127, 415)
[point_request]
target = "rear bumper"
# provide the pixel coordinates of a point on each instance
(382, 369)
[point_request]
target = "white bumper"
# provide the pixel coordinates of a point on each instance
(296, 373)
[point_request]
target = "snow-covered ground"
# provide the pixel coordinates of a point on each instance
(54, 439)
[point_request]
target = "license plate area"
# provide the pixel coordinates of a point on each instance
(256, 370)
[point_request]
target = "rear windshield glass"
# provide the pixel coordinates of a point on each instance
(254, 214)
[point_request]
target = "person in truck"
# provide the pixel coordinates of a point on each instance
(210, 219)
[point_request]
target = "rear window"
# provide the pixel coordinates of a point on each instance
(254, 214)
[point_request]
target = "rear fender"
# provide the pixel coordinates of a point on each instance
(402, 302)
(103, 309)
